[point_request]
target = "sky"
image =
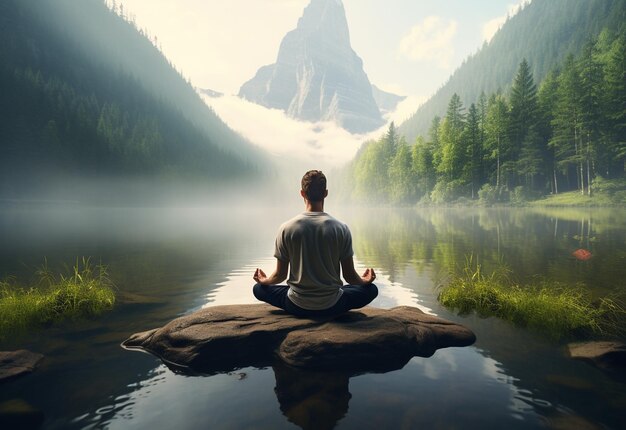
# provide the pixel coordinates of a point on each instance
(409, 47)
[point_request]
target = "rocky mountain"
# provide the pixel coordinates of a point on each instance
(209, 92)
(385, 101)
(317, 75)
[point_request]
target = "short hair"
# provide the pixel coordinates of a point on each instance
(314, 185)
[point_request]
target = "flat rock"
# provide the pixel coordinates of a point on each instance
(15, 363)
(223, 338)
(604, 354)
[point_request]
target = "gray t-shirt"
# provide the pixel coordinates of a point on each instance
(314, 243)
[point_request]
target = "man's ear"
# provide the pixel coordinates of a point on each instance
(303, 194)
(325, 193)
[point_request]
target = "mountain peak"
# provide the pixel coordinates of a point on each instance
(317, 75)
(326, 18)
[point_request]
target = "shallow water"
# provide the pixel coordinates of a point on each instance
(168, 262)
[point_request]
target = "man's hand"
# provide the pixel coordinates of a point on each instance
(260, 277)
(368, 276)
(279, 275)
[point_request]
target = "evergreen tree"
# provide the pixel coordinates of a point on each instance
(523, 120)
(496, 128)
(450, 136)
(401, 175)
(433, 140)
(616, 101)
(547, 104)
(474, 151)
(591, 106)
(422, 155)
(567, 123)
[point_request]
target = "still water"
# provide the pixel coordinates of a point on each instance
(167, 262)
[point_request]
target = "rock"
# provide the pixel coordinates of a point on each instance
(386, 102)
(317, 75)
(604, 354)
(15, 363)
(223, 338)
(17, 414)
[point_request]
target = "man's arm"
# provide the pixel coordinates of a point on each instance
(353, 278)
(279, 275)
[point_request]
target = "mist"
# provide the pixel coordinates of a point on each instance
(297, 145)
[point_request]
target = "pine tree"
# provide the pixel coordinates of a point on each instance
(401, 175)
(451, 132)
(567, 123)
(496, 132)
(422, 156)
(473, 150)
(591, 98)
(547, 105)
(523, 118)
(616, 100)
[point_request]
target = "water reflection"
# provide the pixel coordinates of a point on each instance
(312, 400)
(531, 242)
(454, 386)
(183, 259)
(236, 288)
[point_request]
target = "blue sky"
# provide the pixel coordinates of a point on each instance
(416, 44)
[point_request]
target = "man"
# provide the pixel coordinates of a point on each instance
(311, 247)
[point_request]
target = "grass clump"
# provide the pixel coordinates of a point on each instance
(552, 308)
(84, 291)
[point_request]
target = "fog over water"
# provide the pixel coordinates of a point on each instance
(169, 261)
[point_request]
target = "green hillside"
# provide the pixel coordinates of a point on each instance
(85, 93)
(543, 33)
(568, 133)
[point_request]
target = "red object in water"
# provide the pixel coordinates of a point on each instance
(582, 254)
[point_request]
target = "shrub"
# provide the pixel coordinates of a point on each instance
(490, 194)
(446, 191)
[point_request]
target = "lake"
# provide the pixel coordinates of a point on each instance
(168, 262)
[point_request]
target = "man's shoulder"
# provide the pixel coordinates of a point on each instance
(305, 220)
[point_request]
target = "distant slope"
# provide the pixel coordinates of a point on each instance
(387, 102)
(83, 92)
(544, 32)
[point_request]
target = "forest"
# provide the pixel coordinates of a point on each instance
(568, 133)
(539, 32)
(70, 110)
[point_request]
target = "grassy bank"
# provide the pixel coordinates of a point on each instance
(84, 291)
(553, 309)
(604, 193)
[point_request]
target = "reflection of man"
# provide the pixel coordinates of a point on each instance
(315, 245)
(314, 400)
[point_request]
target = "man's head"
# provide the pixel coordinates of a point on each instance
(314, 186)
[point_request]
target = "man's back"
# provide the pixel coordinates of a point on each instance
(314, 248)
(314, 244)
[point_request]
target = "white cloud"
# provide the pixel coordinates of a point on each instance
(430, 40)
(291, 141)
(491, 27)
(405, 109)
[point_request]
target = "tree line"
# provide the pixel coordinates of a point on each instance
(530, 142)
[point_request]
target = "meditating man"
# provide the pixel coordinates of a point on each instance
(311, 247)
